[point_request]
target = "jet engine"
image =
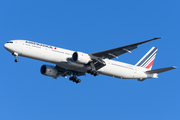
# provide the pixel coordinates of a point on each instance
(49, 70)
(81, 57)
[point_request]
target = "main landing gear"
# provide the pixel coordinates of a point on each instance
(15, 55)
(75, 79)
(93, 70)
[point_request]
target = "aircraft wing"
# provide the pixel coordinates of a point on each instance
(113, 53)
(65, 72)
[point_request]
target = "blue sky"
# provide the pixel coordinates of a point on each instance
(90, 26)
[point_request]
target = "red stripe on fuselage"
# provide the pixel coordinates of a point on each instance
(150, 64)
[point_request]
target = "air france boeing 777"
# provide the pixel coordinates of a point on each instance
(73, 64)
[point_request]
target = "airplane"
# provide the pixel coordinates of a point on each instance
(74, 63)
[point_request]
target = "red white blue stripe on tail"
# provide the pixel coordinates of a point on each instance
(147, 60)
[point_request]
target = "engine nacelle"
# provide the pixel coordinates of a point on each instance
(81, 57)
(49, 70)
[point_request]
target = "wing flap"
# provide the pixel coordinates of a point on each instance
(66, 72)
(161, 70)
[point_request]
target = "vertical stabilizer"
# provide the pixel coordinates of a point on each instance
(147, 60)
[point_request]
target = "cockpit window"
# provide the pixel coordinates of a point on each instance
(10, 42)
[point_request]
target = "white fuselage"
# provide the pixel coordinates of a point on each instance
(60, 57)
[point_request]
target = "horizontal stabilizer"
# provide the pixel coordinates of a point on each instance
(161, 70)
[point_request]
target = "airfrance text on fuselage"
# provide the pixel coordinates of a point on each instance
(39, 44)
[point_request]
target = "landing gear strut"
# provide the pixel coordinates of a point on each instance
(93, 70)
(75, 79)
(15, 55)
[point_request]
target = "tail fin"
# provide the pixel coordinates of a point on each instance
(147, 60)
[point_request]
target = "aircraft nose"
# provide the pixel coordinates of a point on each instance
(5, 45)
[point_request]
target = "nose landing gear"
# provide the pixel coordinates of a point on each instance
(15, 55)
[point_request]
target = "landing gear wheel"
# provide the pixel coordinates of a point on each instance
(75, 79)
(96, 73)
(78, 81)
(70, 78)
(16, 60)
(93, 72)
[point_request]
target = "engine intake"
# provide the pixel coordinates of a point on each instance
(49, 70)
(81, 57)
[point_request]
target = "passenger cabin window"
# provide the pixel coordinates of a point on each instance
(10, 42)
